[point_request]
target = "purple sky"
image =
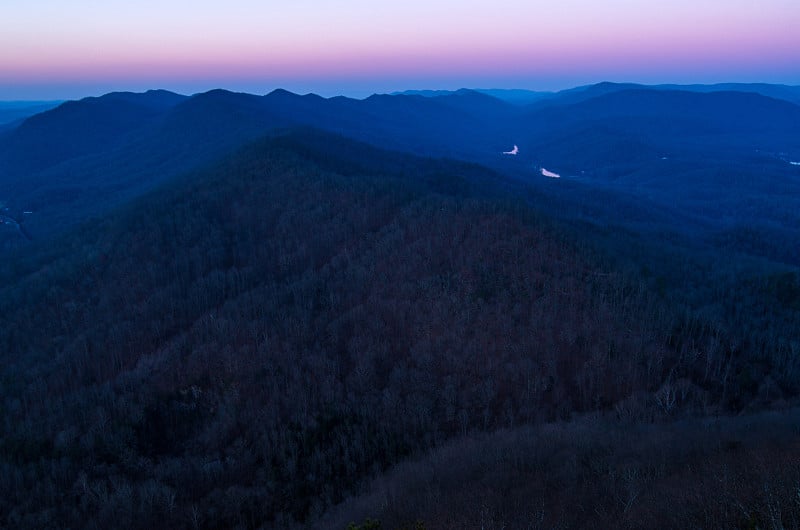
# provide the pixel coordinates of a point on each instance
(72, 48)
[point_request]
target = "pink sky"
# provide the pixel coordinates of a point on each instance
(57, 47)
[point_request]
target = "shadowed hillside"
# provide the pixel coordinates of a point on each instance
(719, 161)
(251, 344)
(593, 473)
(83, 158)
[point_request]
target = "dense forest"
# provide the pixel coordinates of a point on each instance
(250, 344)
(313, 332)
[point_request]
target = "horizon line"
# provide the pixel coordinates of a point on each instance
(328, 94)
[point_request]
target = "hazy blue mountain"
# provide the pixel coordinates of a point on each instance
(706, 124)
(480, 103)
(685, 152)
(787, 92)
(583, 93)
(722, 157)
(78, 128)
(156, 99)
(424, 93)
(85, 156)
(12, 112)
(670, 113)
(514, 96)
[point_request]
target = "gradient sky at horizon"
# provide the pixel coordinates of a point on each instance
(53, 49)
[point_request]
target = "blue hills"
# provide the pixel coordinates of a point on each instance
(230, 310)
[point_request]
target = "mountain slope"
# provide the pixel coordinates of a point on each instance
(252, 342)
(85, 157)
(717, 112)
(639, 128)
(717, 158)
(595, 473)
(583, 93)
(786, 92)
(722, 156)
(78, 128)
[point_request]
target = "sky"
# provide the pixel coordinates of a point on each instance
(59, 49)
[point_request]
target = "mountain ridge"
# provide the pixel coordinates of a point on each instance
(634, 140)
(265, 310)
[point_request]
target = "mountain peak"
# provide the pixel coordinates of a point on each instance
(156, 99)
(282, 93)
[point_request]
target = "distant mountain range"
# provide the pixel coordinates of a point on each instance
(515, 96)
(572, 95)
(670, 147)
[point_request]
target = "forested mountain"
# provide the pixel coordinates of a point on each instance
(84, 157)
(252, 343)
(288, 323)
(241, 311)
(733, 472)
(720, 162)
(78, 128)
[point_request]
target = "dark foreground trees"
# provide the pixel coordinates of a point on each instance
(733, 472)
